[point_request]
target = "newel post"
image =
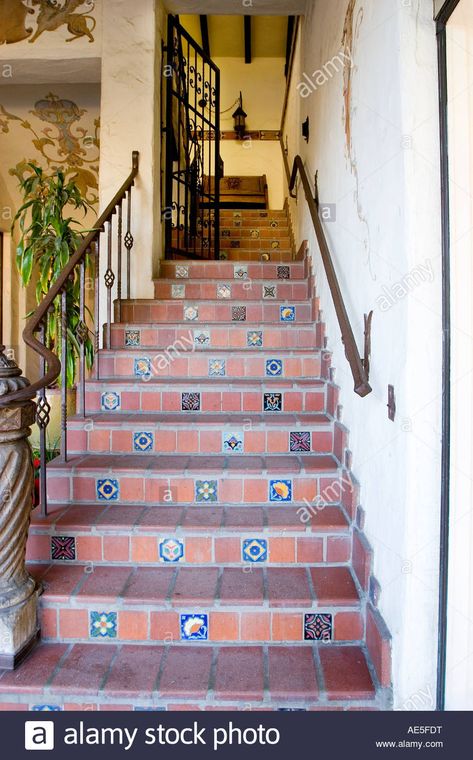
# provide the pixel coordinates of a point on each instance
(19, 627)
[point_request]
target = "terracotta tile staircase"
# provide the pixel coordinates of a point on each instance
(203, 548)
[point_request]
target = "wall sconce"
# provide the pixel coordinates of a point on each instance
(305, 130)
(239, 120)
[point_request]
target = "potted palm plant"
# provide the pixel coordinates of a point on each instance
(48, 238)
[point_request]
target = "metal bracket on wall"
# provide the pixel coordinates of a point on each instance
(391, 403)
(316, 189)
(367, 351)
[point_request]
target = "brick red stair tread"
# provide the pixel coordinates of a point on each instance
(219, 419)
(201, 465)
(226, 384)
(195, 587)
(137, 519)
(275, 674)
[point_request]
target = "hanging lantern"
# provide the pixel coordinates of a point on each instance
(239, 118)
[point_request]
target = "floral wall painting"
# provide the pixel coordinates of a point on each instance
(28, 19)
(62, 143)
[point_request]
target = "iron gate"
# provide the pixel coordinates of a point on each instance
(192, 166)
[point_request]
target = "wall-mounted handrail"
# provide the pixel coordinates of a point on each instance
(35, 322)
(359, 367)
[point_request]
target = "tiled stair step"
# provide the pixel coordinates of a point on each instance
(135, 535)
(275, 244)
(192, 676)
(118, 432)
(272, 226)
(251, 213)
(208, 395)
(244, 290)
(240, 254)
(290, 364)
(193, 336)
(216, 311)
(151, 603)
(232, 270)
(258, 233)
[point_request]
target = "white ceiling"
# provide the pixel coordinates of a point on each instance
(238, 7)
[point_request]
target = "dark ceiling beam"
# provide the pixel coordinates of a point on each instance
(291, 24)
(204, 28)
(247, 22)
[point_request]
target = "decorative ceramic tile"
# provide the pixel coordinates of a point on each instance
(317, 627)
(265, 257)
(137, 708)
(299, 441)
(142, 367)
(284, 273)
(194, 627)
(178, 291)
(254, 550)
(270, 291)
(224, 291)
(232, 443)
(217, 368)
(274, 367)
(240, 272)
(238, 313)
(182, 271)
(237, 214)
(103, 625)
(205, 491)
(226, 233)
(237, 223)
(280, 490)
(202, 337)
(143, 442)
(171, 550)
(272, 402)
(132, 337)
(108, 489)
(292, 709)
(234, 244)
(46, 708)
(275, 244)
(254, 234)
(287, 313)
(223, 256)
(190, 402)
(191, 313)
(110, 401)
(254, 338)
(63, 547)
(263, 214)
(273, 223)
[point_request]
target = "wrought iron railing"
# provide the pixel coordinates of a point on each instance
(51, 367)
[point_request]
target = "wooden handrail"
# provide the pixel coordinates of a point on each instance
(359, 366)
(51, 361)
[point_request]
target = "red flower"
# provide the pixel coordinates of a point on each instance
(36, 463)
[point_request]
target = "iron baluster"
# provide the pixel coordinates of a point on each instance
(64, 373)
(43, 412)
(97, 308)
(82, 333)
(109, 278)
(128, 243)
(119, 262)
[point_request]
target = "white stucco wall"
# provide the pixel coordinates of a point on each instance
(459, 691)
(385, 184)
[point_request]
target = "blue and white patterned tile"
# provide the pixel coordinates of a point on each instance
(224, 291)
(47, 708)
(280, 490)
(233, 443)
(142, 367)
(132, 338)
(103, 625)
(171, 550)
(191, 313)
(143, 442)
(110, 401)
(201, 337)
(274, 367)
(178, 290)
(182, 271)
(240, 271)
(137, 708)
(108, 489)
(318, 627)
(254, 550)
(287, 313)
(194, 626)
(217, 368)
(254, 338)
(272, 402)
(206, 491)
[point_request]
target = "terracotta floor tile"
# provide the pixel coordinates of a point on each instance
(334, 585)
(35, 672)
(239, 673)
(346, 673)
(186, 672)
(84, 669)
(134, 672)
(292, 673)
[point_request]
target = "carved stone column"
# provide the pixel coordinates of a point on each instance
(19, 627)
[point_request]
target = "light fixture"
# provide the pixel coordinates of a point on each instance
(239, 120)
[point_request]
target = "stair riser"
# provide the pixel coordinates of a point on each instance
(178, 311)
(193, 336)
(136, 623)
(122, 364)
(134, 547)
(120, 439)
(250, 290)
(208, 270)
(146, 398)
(269, 239)
(266, 233)
(176, 489)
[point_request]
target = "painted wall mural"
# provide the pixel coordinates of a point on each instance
(28, 19)
(63, 143)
